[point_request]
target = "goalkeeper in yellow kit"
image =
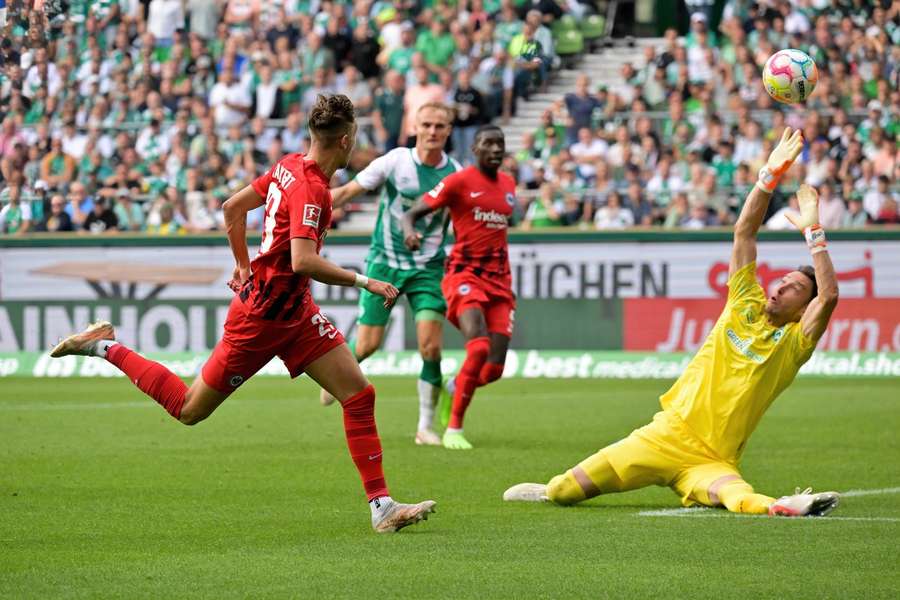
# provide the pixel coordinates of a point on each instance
(694, 444)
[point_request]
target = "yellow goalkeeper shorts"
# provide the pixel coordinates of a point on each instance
(663, 453)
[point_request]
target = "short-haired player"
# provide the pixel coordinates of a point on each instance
(477, 281)
(273, 313)
(694, 444)
(405, 175)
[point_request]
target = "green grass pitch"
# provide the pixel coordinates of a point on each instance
(102, 495)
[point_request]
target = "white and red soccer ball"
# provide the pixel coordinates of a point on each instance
(790, 76)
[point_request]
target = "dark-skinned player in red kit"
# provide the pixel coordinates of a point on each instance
(477, 281)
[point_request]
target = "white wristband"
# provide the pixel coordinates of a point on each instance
(361, 281)
(767, 182)
(815, 238)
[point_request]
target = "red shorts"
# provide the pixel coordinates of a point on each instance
(464, 291)
(249, 343)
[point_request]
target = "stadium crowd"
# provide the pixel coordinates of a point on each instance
(121, 115)
(678, 140)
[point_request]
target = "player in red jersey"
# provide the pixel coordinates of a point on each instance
(273, 313)
(477, 281)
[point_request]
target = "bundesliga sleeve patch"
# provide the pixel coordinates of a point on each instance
(311, 214)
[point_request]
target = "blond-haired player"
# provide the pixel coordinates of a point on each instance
(406, 174)
(695, 443)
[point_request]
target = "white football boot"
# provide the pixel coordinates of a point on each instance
(84, 343)
(805, 504)
(526, 492)
(396, 516)
(427, 437)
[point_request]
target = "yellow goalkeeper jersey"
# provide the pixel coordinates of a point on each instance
(739, 371)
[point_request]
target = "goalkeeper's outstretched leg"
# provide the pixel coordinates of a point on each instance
(589, 478)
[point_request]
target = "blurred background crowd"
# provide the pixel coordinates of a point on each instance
(127, 115)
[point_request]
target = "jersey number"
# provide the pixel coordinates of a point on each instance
(273, 200)
(326, 329)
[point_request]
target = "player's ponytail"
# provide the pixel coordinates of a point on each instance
(331, 118)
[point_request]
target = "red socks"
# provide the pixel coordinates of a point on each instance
(468, 378)
(151, 377)
(363, 442)
(490, 372)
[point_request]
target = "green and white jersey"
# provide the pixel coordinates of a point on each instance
(406, 179)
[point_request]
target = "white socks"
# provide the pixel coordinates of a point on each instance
(428, 397)
(102, 346)
(380, 507)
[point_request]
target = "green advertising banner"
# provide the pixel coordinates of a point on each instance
(520, 363)
(174, 326)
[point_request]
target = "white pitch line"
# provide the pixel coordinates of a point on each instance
(715, 512)
(679, 512)
(879, 492)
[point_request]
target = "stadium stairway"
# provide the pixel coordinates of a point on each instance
(603, 66)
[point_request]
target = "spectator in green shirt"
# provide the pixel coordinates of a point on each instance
(549, 137)
(387, 117)
(57, 167)
(855, 217)
(313, 56)
(542, 212)
(724, 164)
(130, 214)
(508, 23)
(15, 216)
(436, 45)
(400, 58)
(289, 80)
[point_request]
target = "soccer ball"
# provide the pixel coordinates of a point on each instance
(790, 76)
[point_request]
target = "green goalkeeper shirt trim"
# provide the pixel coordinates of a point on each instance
(405, 179)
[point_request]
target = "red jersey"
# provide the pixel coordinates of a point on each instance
(298, 205)
(480, 209)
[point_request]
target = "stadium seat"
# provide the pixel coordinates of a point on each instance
(570, 43)
(592, 27)
(562, 25)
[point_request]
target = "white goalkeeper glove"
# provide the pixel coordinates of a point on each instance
(808, 219)
(780, 160)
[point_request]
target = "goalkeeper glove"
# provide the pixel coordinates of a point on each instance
(780, 160)
(808, 219)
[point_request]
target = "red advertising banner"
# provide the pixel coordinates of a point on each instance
(770, 274)
(681, 325)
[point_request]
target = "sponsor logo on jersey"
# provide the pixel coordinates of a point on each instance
(475, 194)
(743, 346)
(491, 218)
(235, 380)
(510, 199)
(311, 214)
(464, 289)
